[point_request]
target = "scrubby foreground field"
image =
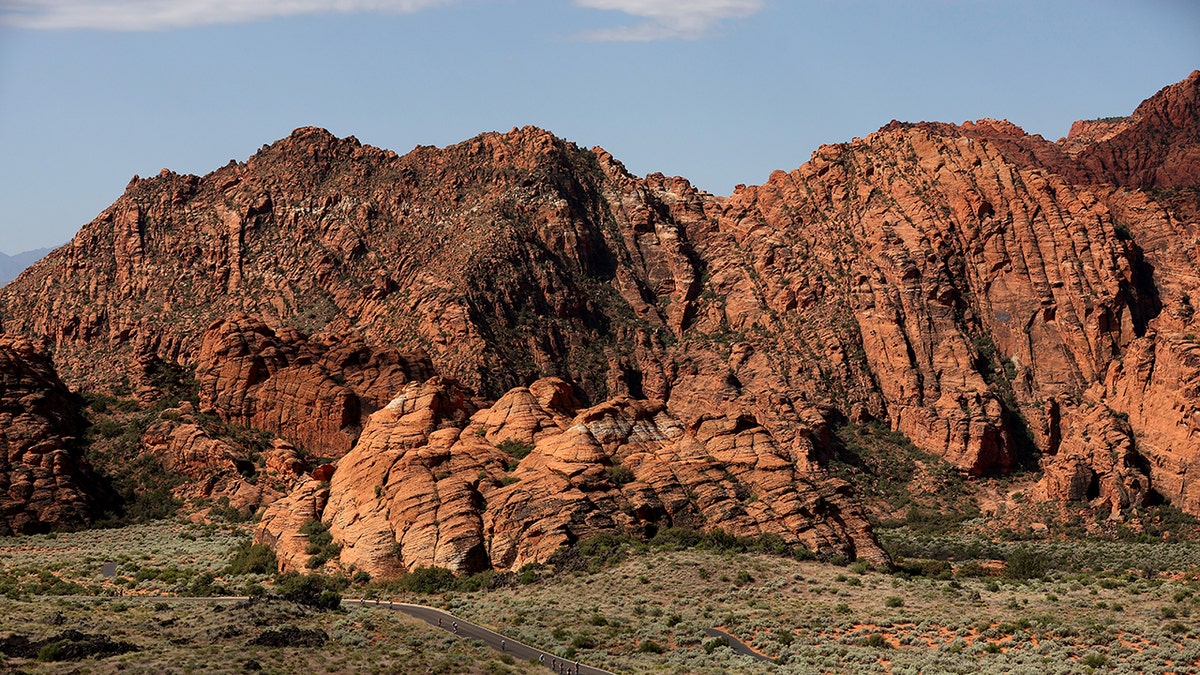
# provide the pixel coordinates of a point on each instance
(1061, 607)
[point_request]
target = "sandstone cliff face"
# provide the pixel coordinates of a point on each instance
(429, 484)
(312, 392)
(44, 482)
(1003, 300)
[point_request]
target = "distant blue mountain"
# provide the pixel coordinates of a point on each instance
(12, 265)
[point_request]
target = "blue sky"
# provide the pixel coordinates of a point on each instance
(720, 91)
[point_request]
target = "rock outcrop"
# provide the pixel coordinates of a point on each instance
(435, 482)
(312, 392)
(1155, 147)
(217, 467)
(44, 482)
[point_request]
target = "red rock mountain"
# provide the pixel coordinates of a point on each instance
(1002, 300)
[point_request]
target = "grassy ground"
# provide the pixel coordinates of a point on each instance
(1091, 606)
(178, 636)
(821, 618)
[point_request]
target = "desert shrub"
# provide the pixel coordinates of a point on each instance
(583, 641)
(875, 641)
(971, 570)
(676, 539)
(314, 590)
(250, 558)
(52, 652)
(650, 647)
(862, 567)
(518, 450)
(477, 582)
(931, 521)
(428, 580)
(1026, 563)
(528, 573)
(894, 601)
(204, 585)
(716, 643)
(619, 474)
(605, 548)
(932, 569)
(321, 546)
(229, 513)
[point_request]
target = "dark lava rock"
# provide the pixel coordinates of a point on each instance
(70, 645)
(18, 646)
(291, 637)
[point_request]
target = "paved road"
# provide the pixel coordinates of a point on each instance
(492, 639)
(737, 645)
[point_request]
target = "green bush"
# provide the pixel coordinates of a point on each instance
(251, 558)
(428, 580)
(477, 582)
(583, 641)
(51, 652)
(320, 544)
(650, 647)
(619, 474)
(229, 513)
(1026, 563)
(518, 450)
(314, 590)
(528, 574)
(714, 644)
(204, 586)
(931, 569)
(875, 641)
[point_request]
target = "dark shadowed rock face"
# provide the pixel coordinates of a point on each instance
(1002, 300)
(312, 392)
(44, 483)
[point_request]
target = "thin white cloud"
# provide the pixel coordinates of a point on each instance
(668, 19)
(142, 15)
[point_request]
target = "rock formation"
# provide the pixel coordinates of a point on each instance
(1005, 301)
(219, 467)
(312, 392)
(44, 482)
(435, 482)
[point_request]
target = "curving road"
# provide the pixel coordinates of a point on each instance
(430, 615)
(737, 645)
(447, 621)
